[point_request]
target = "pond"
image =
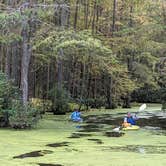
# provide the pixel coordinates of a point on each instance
(56, 141)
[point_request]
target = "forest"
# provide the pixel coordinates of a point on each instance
(59, 54)
(83, 82)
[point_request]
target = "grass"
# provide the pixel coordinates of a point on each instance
(81, 151)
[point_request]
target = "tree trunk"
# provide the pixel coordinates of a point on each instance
(94, 17)
(59, 69)
(14, 65)
(131, 19)
(110, 104)
(26, 55)
(86, 13)
(48, 80)
(114, 16)
(164, 11)
(83, 80)
(126, 101)
(76, 15)
(1, 57)
(7, 62)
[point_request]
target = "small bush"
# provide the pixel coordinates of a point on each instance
(8, 92)
(96, 103)
(72, 106)
(59, 98)
(21, 116)
(163, 106)
(41, 104)
(12, 112)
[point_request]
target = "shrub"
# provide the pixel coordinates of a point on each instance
(21, 116)
(163, 106)
(8, 92)
(12, 112)
(41, 104)
(59, 98)
(146, 94)
(96, 103)
(72, 106)
(163, 98)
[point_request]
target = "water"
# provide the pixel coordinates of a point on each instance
(90, 144)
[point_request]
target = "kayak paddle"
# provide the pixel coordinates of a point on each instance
(142, 107)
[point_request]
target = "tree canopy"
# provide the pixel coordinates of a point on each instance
(112, 51)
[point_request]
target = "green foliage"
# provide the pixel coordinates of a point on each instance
(162, 94)
(163, 106)
(95, 103)
(41, 105)
(7, 92)
(92, 52)
(79, 44)
(21, 117)
(60, 100)
(13, 112)
(146, 94)
(10, 27)
(73, 106)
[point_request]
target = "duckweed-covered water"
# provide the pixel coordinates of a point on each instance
(58, 142)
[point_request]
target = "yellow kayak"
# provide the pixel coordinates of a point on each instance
(133, 127)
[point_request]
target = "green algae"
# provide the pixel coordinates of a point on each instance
(148, 149)
(143, 147)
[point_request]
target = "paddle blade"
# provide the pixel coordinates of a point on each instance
(116, 129)
(142, 107)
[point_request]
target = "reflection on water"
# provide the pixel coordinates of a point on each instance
(154, 119)
(93, 143)
(148, 149)
(38, 153)
(141, 150)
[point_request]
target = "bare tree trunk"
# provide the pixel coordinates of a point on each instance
(1, 57)
(114, 16)
(26, 55)
(94, 17)
(86, 13)
(97, 17)
(76, 15)
(164, 11)
(14, 65)
(34, 83)
(48, 80)
(109, 97)
(7, 62)
(59, 64)
(95, 88)
(83, 80)
(131, 20)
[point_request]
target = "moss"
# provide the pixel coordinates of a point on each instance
(143, 147)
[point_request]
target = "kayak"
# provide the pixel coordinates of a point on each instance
(133, 127)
